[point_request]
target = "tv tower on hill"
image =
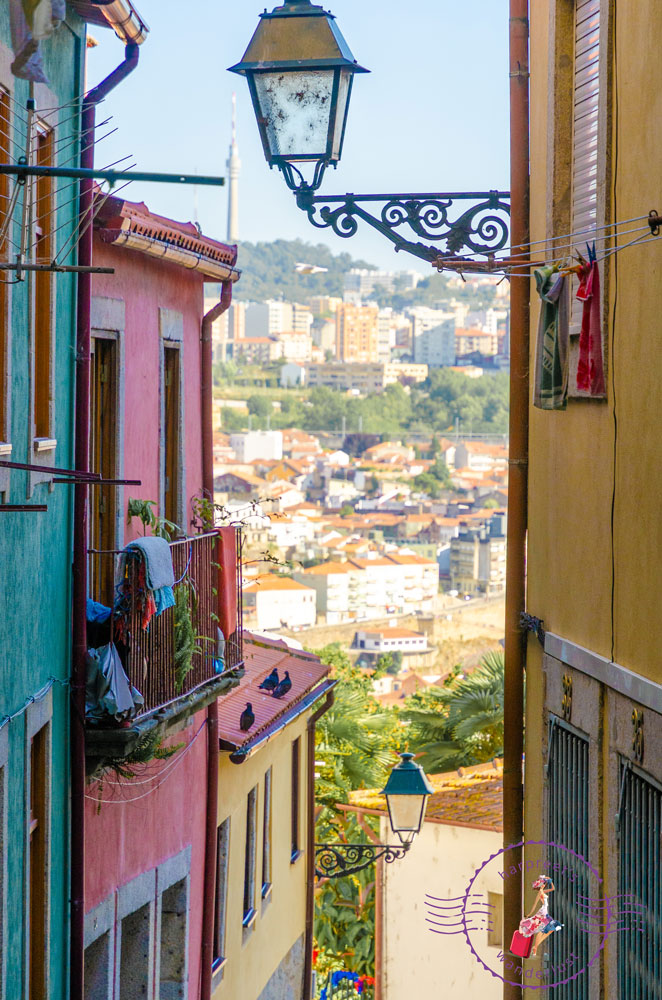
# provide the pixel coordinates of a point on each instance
(234, 169)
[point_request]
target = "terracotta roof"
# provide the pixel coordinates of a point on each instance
(327, 569)
(272, 582)
(412, 560)
(468, 797)
(117, 215)
(260, 657)
(400, 633)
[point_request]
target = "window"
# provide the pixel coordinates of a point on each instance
(266, 836)
(103, 454)
(640, 863)
(172, 434)
(44, 215)
(296, 792)
(135, 953)
(38, 870)
(568, 825)
(98, 968)
(250, 862)
(5, 187)
(174, 939)
(221, 899)
(495, 928)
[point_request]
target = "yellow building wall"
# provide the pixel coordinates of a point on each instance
(254, 955)
(571, 464)
(598, 456)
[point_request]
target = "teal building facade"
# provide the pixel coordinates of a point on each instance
(38, 222)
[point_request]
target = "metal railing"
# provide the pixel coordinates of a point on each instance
(149, 654)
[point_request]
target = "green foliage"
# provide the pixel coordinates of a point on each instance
(345, 916)
(233, 420)
(269, 271)
(145, 510)
(186, 645)
(259, 406)
(460, 724)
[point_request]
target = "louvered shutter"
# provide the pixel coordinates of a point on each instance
(585, 131)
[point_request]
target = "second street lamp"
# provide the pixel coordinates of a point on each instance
(300, 72)
(407, 791)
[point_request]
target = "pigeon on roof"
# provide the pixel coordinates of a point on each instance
(271, 682)
(247, 718)
(283, 687)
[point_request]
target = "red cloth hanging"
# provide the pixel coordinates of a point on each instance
(227, 590)
(590, 369)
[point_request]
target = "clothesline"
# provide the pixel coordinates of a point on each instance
(32, 700)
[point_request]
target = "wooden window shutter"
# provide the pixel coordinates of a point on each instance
(585, 133)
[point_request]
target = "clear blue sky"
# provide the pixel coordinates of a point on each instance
(431, 116)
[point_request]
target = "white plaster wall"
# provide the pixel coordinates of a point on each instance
(418, 963)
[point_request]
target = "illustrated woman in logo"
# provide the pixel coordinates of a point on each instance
(540, 923)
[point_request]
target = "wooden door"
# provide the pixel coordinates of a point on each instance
(103, 459)
(172, 415)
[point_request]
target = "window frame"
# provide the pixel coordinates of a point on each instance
(267, 813)
(6, 150)
(43, 291)
(295, 848)
(560, 153)
(38, 725)
(4, 761)
(249, 911)
(223, 833)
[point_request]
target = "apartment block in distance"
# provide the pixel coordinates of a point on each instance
(357, 333)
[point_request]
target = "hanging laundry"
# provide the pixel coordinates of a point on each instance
(109, 693)
(145, 579)
(30, 22)
(590, 368)
(551, 372)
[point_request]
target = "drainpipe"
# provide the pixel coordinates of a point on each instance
(207, 946)
(515, 649)
(310, 847)
(207, 411)
(79, 618)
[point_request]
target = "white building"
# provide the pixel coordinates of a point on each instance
(254, 445)
(391, 640)
(461, 832)
(264, 319)
(274, 602)
(228, 328)
(292, 375)
(433, 336)
(331, 583)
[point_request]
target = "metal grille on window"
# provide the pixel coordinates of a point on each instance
(585, 135)
(568, 824)
(639, 888)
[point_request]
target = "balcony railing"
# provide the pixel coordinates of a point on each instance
(148, 655)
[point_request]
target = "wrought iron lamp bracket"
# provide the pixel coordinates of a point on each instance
(480, 223)
(338, 860)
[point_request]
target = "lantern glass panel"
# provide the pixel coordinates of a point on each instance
(406, 812)
(344, 88)
(296, 110)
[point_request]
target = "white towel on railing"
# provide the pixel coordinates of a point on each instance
(158, 561)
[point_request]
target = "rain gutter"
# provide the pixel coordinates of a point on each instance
(239, 756)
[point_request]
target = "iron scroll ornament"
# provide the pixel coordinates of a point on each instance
(338, 860)
(482, 227)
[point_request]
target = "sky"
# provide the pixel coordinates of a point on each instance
(431, 116)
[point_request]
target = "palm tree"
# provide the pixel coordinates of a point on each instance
(462, 724)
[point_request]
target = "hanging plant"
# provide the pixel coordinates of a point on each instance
(186, 645)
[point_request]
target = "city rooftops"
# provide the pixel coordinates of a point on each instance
(269, 581)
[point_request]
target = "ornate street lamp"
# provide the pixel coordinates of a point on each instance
(406, 793)
(300, 72)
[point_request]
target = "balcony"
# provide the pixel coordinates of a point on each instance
(169, 689)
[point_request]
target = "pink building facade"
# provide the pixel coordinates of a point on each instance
(147, 805)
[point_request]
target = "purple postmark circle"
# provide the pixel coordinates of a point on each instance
(522, 984)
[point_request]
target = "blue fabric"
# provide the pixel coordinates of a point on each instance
(158, 561)
(163, 598)
(97, 613)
